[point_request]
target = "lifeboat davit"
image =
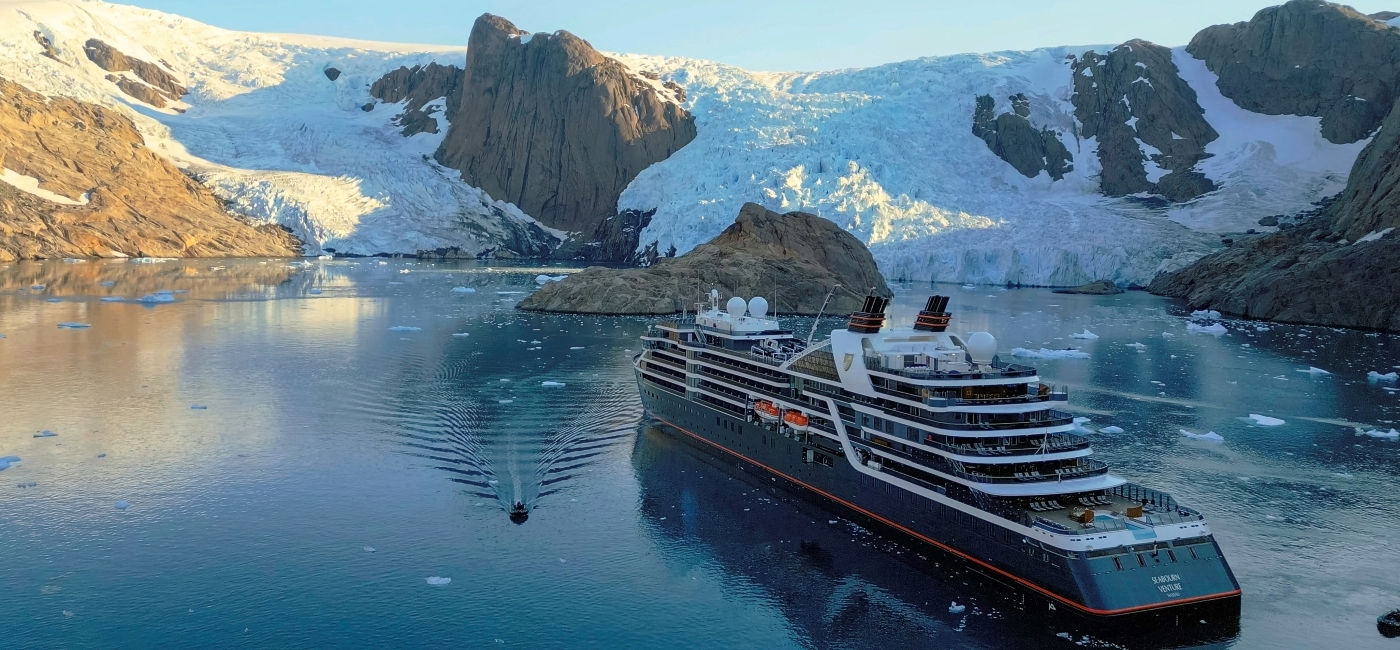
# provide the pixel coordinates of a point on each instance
(766, 411)
(796, 420)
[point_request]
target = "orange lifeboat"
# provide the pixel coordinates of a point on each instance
(766, 411)
(796, 420)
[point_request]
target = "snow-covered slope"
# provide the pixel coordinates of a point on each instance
(888, 153)
(267, 129)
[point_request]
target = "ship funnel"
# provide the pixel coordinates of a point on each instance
(934, 317)
(871, 316)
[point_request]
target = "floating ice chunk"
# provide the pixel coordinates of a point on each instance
(461, 334)
(534, 342)
(1046, 353)
(1167, 335)
(37, 287)
(151, 260)
(546, 279)
(1214, 328)
(7, 461)
(369, 549)
(112, 299)
(158, 297)
(955, 608)
(74, 326)
(405, 328)
(1138, 346)
(74, 260)
(315, 292)
(1377, 433)
(505, 401)
(1086, 335)
(463, 290)
(108, 283)
(1374, 376)
(1210, 436)
(123, 504)
(509, 293)
(552, 384)
(1111, 429)
(1265, 421)
(1313, 370)
(1205, 314)
(325, 256)
(55, 300)
(45, 434)
(198, 407)
(580, 347)
(438, 581)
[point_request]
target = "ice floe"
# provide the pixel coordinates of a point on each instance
(1313, 370)
(369, 549)
(112, 299)
(576, 347)
(1210, 436)
(7, 461)
(1085, 335)
(198, 407)
(74, 326)
(1046, 353)
(1205, 314)
(955, 608)
(1138, 346)
(552, 384)
(1265, 421)
(158, 297)
(405, 328)
(123, 504)
(459, 334)
(1111, 429)
(1214, 328)
(463, 290)
(1374, 376)
(546, 279)
(44, 434)
(1378, 433)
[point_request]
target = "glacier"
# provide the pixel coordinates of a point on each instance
(885, 152)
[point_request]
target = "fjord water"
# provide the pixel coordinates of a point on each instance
(303, 445)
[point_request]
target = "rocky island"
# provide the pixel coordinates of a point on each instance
(794, 259)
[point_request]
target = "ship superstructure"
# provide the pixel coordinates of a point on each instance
(934, 435)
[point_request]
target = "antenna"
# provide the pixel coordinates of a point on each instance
(819, 315)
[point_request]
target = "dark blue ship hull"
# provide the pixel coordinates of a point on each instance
(1161, 580)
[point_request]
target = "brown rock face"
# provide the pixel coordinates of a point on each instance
(1308, 57)
(161, 84)
(1320, 273)
(803, 253)
(420, 85)
(1135, 93)
(116, 195)
(555, 127)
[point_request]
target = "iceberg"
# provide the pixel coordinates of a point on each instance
(1265, 421)
(1205, 314)
(1214, 328)
(1085, 335)
(1046, 353)
(1374, 376)
(1377, 433)
(955, 608)
(1209, 436)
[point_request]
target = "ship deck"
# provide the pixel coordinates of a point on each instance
(1062, 514)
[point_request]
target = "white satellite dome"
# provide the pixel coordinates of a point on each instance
(735, 306)
(981, 346)
(758, 306)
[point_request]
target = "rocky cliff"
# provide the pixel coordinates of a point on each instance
(805, 255)
(79, 182)
(1134, 94)
(549, 124)
(1338, 268)
(417, 87)
(1308, 57)
(1013, 138)
(153, 84)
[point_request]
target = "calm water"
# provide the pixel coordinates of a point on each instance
(271, 426)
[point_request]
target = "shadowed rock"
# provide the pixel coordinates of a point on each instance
(416, 87)
(549, 124)
(1308, 57)
(1095, 288)
(802, 254)
(101, 192)
(1013, 138)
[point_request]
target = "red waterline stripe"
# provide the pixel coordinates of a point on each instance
(1023, 581)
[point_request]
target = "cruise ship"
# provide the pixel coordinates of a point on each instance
(933, 435)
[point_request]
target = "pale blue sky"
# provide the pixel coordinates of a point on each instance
(778, 35)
